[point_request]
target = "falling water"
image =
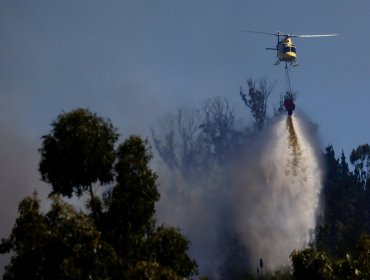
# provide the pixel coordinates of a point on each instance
(278, 193)
(262, 205)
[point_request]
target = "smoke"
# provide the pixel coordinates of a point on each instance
(262, 204)
(18, 172)
(200, 211)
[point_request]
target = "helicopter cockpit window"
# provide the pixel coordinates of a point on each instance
(289, 49)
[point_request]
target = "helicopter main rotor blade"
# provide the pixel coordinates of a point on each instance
(314, 36)
(278, 33)
(257, 32)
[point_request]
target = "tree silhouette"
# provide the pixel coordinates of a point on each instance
(256, 100)
(131, 202)
(62, 244)
(194, 142)
(78, 152)
(360, 158)
(121, 240)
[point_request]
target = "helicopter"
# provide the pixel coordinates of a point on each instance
(286, 50)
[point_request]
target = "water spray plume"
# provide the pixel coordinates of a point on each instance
(278, 193)
(260, 205)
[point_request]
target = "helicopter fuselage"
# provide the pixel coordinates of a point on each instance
(286, 50)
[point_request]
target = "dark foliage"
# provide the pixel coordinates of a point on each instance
(78, 152)
(346, 207)
(119, 240)
(342, 238)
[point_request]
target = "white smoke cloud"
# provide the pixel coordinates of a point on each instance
(263, 204)
(200, 212)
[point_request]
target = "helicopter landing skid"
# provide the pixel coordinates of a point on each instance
(295, 63)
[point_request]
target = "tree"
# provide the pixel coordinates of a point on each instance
(311, 264)
(61, 244)
(315, 264)
(144, 270)
(343, 217)
(129, 223)
(130, 204)
(176, 138)
(196, 141)
(122, 242)
(168, 248)
(256, 100)
(218, 128)
(360, 158)
(29, 227)
(78, 152)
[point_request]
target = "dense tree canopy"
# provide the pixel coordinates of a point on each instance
(342, 237)
(62, 244)
(130, 204)
(360, 158)
(120, 240)
(78, 152)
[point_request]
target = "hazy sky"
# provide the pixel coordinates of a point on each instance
(133, 61)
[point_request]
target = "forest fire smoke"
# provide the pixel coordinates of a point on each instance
(262, 203)
(278, 194)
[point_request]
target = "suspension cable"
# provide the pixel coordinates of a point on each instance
(287, 79)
